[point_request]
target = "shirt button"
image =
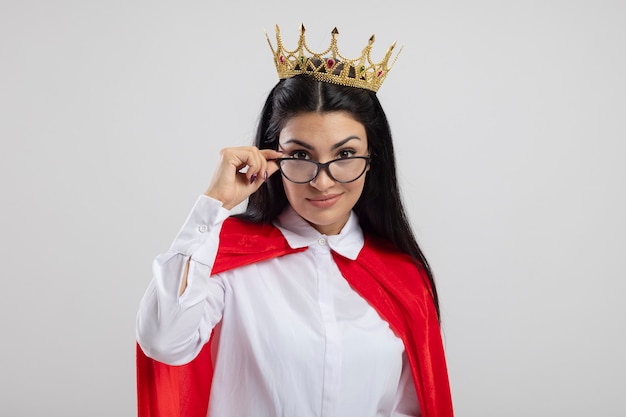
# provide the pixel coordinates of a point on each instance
(203, 228)
(321, 241)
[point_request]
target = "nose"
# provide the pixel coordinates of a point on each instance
(322, 181)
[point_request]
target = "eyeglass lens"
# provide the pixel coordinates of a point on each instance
(305, 170)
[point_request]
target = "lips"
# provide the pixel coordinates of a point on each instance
(324, 200)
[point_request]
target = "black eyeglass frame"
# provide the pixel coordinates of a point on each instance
(323, 166)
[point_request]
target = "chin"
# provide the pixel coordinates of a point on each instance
(327, 223)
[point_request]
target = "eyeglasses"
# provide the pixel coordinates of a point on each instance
(344, 170)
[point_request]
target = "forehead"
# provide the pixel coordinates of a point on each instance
(323, 129)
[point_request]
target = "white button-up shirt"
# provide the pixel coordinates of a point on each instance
(292, 337)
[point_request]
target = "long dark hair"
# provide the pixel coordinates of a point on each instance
(379, 209)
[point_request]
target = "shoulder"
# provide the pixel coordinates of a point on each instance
(380, 255)
(239, 234)
(238, 226)
(242, 243)
(380, 250)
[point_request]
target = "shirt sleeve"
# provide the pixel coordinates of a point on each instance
(172, 328)
(406, 404)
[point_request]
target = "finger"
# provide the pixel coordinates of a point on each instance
(267, 165)
(270, 155)
(258, 166)
(242, 158)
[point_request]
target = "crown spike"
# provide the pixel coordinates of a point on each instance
(270, 42)
(329, 65)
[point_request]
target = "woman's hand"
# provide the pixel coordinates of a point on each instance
(231, 186)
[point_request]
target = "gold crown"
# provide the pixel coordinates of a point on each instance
(330, 66)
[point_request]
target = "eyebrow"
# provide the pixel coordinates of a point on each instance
(335, 146)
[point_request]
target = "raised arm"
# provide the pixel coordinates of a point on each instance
(183, 302)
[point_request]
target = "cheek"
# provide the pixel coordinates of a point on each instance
(359, 186)
(291, 189)
(360, 183)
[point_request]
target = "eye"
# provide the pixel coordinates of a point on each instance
(346, 153)
(299, 155)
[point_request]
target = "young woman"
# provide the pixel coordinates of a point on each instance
(316, 300)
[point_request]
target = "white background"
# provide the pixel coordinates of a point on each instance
(510, 124)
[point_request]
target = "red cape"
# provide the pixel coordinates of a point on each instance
(387, 279)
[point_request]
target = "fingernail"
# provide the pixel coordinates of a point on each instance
(253, 178)
(265, 176)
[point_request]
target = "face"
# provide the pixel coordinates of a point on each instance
(324, 203)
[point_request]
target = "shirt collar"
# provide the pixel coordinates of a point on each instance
(299, 233)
